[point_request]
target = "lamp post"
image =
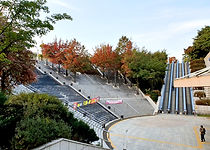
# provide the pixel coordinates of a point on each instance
(125, 140)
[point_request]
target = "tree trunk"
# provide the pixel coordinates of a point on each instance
(124, 79)
(137, 88)
(46, 62)
(108, 76)
(66, 72)
(115, 78)
(3, 86)
(131, 84)
(59, 68)
(75, 74)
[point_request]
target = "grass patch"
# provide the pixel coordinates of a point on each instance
(202, 115)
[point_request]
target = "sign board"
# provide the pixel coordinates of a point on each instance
(114, 102)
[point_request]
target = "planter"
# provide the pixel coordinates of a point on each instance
(201, 109)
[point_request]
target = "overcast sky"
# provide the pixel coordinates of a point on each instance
(153, 24)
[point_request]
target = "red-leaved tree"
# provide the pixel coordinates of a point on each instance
(105, 58)
(75, 58)
(19, 69)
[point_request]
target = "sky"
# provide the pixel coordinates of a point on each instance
(152, 24)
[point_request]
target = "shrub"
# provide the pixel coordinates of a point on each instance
(3, 98)
(198, 88)
(196, 61)
(153, 94)
(31, 133)
(197, 64)
(199, 94)
(203, 102)
(30, 120)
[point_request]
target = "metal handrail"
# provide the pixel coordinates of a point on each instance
(170, 86)
(163, 89)
(184, 94)
(177, 89)
(191, 92)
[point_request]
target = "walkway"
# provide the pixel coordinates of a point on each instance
(161, 132)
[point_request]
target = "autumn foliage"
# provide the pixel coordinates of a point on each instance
(105, 58)
(19, 69)
(140, 66)
(119, 59)
(127, 58)
(75, 57)
(52, 51)
(71, 55)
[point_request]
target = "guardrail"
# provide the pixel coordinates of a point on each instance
(170, 86)
(87, 118)
(163, 89)
(191, 92)
(177, 89)
(184, 94)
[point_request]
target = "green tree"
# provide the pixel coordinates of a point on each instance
(10, 115)
(121, 45)
(201, 45)
(40, 105)
(83, 133)
(29, 120)
(33, 132)
(148, 69)
(3, 98)
(19, 23)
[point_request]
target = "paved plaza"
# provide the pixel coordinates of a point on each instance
(161, 132)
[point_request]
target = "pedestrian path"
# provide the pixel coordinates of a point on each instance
(161, 132)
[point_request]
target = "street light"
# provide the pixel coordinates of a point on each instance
(125, 141)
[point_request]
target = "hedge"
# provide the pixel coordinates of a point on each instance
(203, 102)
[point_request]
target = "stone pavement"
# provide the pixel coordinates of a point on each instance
(161, 132)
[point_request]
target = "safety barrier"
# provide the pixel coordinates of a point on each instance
(170, 87)
(191, 92)
(163, 89)
(177, 89)
(184, 89)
